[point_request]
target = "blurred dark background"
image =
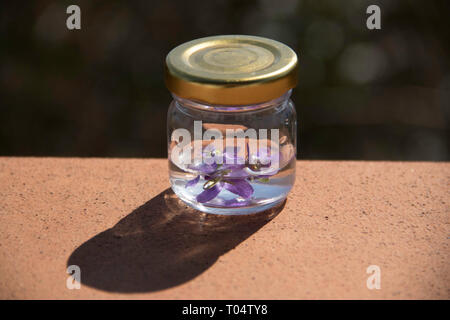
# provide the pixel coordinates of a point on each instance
(99, 91)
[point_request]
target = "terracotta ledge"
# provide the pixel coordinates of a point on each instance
(117, 219)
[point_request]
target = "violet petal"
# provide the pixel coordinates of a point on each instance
(240, 187)
(231, 156)
(236, 172)
(204, 168)
(233, 167)
(192, 182)
(208, 168)
(209, 194)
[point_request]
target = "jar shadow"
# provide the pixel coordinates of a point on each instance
(161, 244)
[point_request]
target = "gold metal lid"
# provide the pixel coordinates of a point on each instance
(231, 70)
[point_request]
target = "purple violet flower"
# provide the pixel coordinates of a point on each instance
(203, 167)
(240, 187)
(231, 175)
(209, 193)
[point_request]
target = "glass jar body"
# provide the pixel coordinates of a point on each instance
(232, 159)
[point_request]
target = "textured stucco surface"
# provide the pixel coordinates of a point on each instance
(132, 238)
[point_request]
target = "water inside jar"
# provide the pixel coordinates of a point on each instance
(245, 178)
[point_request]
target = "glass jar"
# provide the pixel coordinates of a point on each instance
(232, 126)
